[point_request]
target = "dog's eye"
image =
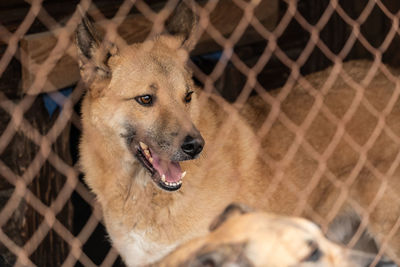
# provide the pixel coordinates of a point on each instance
(144, 100)
(188, 97)
(315, 253)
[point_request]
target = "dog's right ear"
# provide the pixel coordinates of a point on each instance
(94, 54)
(230, 211)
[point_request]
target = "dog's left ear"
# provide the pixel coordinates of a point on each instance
(183, 23)
(230, 211)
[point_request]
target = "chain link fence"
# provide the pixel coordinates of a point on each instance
(48, 217)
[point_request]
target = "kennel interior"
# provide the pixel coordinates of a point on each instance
(48, 217)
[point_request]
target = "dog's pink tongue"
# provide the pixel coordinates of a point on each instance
(171, 170)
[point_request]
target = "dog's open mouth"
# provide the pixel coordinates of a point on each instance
(165, 173)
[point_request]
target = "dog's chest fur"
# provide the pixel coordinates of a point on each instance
(144, 229)
(137, 249)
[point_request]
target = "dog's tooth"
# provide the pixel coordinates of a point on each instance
(151, 159)
(183, 174)
(146, 152)
(143, 146)
(163, 178)
(174, 184)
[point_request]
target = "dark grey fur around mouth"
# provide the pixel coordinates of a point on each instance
(129, 134)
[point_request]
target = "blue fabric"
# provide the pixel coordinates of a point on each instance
(212, 56)
(209, 57)
(49, 99)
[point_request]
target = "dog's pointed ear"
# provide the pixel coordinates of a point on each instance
(94, 53)
(183, 23)
(230, 211)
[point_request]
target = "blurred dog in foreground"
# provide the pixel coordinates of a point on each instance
(241, 238)
(316, 153)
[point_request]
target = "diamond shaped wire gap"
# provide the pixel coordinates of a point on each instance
(89, 228)
(42, 255)
(12, 219)
(97, 246)
(369, 27)
(37, 229)
(231, 83)
(17, 35)
(112, 259)
(16, 119)
(10, 78)
(16, 250)
(234, 11)
(7, 258)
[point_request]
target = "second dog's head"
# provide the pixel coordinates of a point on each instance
(142, 96)
(242, 238)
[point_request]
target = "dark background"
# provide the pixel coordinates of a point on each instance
(21, 151)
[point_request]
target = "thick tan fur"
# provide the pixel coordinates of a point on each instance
(265, 240)
(146, 222)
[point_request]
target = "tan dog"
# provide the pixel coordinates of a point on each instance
(145, 125)
(239, 238)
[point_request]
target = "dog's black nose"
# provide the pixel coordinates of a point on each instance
(192, 146)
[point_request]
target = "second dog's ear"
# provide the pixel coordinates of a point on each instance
(94, 53)
(183, 23)
(230, 211)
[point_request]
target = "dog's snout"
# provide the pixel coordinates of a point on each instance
(192, 146)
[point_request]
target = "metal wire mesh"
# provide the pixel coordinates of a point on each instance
(18, 124)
